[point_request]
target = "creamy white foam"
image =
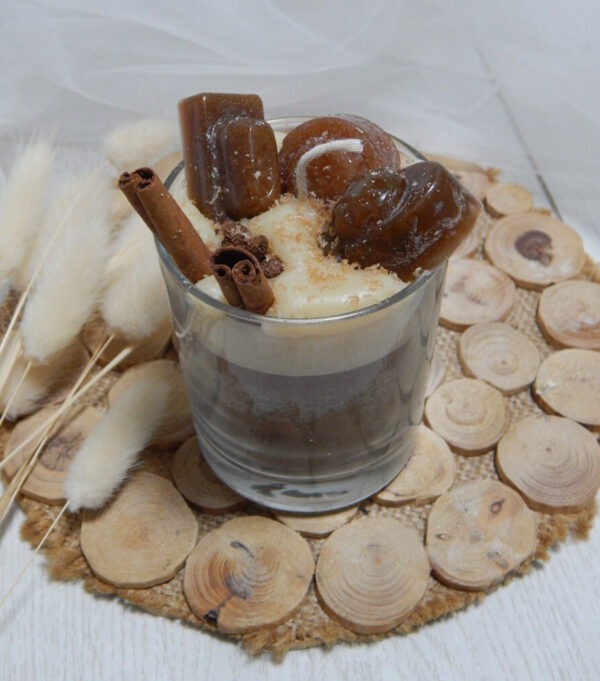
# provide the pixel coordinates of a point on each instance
(312, 284)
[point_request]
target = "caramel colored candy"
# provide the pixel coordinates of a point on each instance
(404, 221)
(199, 116)
(329, 175)
(249, 165)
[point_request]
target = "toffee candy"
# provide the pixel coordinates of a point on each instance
(404, 221)
(329, 175)
(226, 142)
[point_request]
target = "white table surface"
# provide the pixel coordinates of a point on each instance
(543, 626)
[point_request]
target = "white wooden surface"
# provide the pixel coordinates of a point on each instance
(544, 626)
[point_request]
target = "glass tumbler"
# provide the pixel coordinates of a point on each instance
(306, 415)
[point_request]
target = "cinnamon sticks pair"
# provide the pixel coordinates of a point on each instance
(237, 271)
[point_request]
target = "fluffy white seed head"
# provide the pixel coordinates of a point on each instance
(67, 288)
(112, 448)
(134, 302)
(132, 145)
(22, 205)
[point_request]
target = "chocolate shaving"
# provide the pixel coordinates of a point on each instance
(235, 234)
(241, 279)
(166, 219)
(272, 266)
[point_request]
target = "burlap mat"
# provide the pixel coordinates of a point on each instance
(311, 626)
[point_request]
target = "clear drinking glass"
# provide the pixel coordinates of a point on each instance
(306, 415)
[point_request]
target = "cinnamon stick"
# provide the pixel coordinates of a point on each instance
(167, 220)
(241, 278)
(128, 184)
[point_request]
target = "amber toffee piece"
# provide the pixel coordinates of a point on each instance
(405, 221)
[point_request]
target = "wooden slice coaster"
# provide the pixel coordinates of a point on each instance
(177, 425)
(371, 574)
(503, 198)
(568, 383)
(437, 372)
(45, 482)
(477, 533)
(317, 526)
(429, 472)
(195, 479)
(499, 354)
(469, 414)
(95, 333)
(535, 250)
(569, 314)
(250, 573)
(553, 462)
(472, 176)
(475, 292)
(143, 537)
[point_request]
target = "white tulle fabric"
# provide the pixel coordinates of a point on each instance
(441, 74)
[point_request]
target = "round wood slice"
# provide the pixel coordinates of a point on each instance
(45, 482)
(177, 426)
(475, 292)
(477, 533)
(535, 250)
(553, 462)
(429, 472)
(250, 573)
(95, 333)
(472, 176)
(437, 372)
(372, 573)
(318, 525)
(569, 314)
(568, 383)
(503, 198)
(499, 354)
(195, 479)
(469, 414)
(142, 537)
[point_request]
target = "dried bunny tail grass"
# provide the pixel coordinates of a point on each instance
(103, 461)
(67, 287)
(134, 302)
(22, 205)
(57, 208)
(132, 145)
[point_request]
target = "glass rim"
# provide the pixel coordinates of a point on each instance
(255, 318)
